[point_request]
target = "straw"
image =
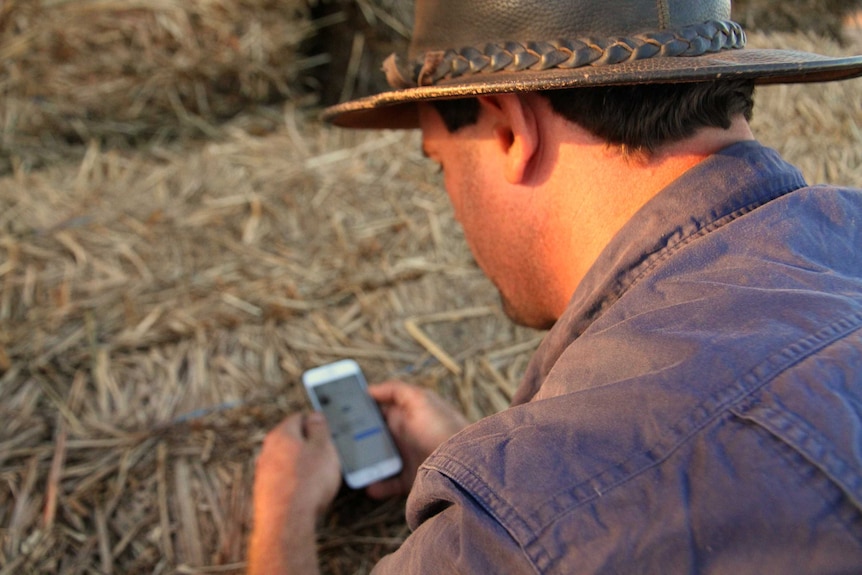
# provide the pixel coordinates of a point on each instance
(158, 304)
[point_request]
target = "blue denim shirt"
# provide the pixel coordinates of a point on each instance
(697, 409)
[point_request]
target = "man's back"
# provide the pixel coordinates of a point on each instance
(697, 408)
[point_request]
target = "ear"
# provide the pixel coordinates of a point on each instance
(516, 131)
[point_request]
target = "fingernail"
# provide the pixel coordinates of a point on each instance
(315, 417)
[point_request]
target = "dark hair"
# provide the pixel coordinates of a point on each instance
(457, 114)
(639, 118)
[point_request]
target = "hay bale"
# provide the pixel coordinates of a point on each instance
(130, 73)
(363, 34)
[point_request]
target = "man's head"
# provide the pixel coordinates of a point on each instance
(509, 221)
(495, 174)
(540, 184)
(555, 120)
(510, 229)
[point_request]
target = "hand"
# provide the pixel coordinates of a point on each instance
(297, 461)
(298, 466)
(297, 477)
(420, 421)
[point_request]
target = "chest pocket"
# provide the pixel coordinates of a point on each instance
(814, 404)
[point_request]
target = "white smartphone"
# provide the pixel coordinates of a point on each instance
(365, 447)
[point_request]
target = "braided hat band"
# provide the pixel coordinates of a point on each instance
(434, 66)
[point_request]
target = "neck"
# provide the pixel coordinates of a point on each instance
(602, 200)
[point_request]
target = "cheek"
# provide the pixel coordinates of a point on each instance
(489, 217)
(491, 236)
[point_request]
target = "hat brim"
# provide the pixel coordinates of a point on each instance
(396, 109)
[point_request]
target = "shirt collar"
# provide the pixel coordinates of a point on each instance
(729, 183)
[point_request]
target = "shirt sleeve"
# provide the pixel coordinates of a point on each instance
(454, 535)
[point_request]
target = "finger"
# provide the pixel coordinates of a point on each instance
(292, 425)
(290, 428)
(383, 392)
(316, 430)
(389, 392)
(384, 489)
(280, 442)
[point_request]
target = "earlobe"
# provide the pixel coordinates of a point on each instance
(516, 131)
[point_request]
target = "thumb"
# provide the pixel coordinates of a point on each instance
(385, 489)
(316, 429)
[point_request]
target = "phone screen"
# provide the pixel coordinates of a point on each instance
(355, 423)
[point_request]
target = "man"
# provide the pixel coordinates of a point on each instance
(697, 403)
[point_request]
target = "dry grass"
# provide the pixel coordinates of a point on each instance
(157, 313)
(158, 306)
(132, 73)
(817, 127)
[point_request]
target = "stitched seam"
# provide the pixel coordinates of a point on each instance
(671, 249)
(507, 517)
(665, 253)
(663, 14)
(528, 531)
(820, 483)
(808, 443)
(704, 414)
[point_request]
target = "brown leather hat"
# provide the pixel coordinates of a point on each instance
(463, 48)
